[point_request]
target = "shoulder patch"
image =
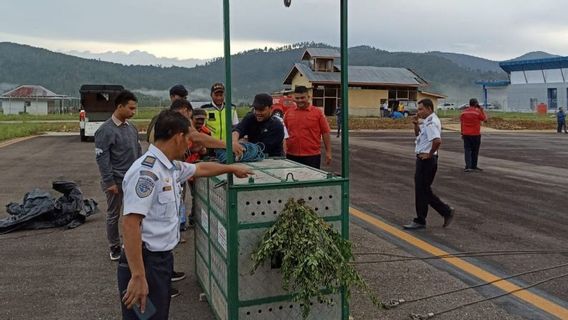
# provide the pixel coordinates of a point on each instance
(150, 174)
(144, 186)
(149, 161)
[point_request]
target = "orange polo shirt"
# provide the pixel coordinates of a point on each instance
(305, 130)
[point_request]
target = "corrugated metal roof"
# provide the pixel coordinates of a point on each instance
(361, 75)
(30, 91)
(534, 64)
(320, 53)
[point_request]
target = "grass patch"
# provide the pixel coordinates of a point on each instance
(17, 130)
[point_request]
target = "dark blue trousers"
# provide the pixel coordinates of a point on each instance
(159, 267)
(471, 146)
(311, 161)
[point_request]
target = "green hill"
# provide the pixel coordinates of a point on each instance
(261, 70)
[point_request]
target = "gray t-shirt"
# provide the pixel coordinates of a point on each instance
(116, 149)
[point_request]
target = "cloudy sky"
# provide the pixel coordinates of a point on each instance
(494, 29)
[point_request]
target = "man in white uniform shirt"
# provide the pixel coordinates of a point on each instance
(151, 221)
(428, 141)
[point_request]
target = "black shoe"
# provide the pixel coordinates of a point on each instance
(174, 292)
(178, 276)
(477, 169)
(114, 253)
(414, 226)
(449, 218)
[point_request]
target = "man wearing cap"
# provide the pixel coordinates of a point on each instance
(260, 126)
(307, 127)
(216, 113)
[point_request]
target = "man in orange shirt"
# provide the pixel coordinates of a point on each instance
(307, 127)
(471, 119)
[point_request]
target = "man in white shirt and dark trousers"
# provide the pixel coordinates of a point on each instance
(428, 141)
(151, 224)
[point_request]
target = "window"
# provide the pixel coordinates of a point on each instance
(518, 77)
(553, 76)
(552, 98)
(534, 76)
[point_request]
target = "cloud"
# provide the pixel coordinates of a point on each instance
(194, 29)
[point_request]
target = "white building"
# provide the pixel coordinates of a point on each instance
(34, 99)
(531, 82)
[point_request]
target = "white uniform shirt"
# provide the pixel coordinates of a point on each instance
(152, 189)
(430, 129)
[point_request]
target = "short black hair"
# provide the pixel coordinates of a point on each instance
(178, 90)
(123, 97)
(427, 103)
(199, 112)
(170, 123)
(473, 102)
(181, 104)
(300, 89)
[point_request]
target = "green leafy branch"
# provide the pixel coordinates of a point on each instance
(313, 256)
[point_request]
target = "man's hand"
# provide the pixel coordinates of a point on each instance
(113, 189)
(415, 119)
(238, 149)
(241, 171)
(328, 158)
(424, 156)
(136, 293)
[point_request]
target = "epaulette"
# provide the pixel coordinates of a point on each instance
(149, 161)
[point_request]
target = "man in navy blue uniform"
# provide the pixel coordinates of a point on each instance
(260, 126)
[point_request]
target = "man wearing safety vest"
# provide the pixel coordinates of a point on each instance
(216, 113)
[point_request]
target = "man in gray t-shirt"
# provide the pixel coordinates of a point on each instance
(116, 148)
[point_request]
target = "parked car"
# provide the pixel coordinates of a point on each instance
(447, 106)
(410, 108)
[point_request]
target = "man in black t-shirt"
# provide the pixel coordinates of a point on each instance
(260, 126)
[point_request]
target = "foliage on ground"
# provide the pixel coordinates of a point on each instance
(313, 256)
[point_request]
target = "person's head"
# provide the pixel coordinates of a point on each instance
(199, 116)
(178, 92)
(218, 93)
(262, 106)
(125, 103)
(172, 131)
(301, 97)
(560, 109)
(182, 106)
(425, 108)
(473, 102)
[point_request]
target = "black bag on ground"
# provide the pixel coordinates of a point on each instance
(40, 210)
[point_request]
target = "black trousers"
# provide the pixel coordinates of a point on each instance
(423, 178)
(561, 126)
(471, 146)
(311, 161)
(159, 267)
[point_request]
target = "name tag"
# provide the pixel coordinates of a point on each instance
(167, 188)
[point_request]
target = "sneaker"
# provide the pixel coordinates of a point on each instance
(114, 253)
(478, 169)
(177, 276)
(467, 170)
(448, 219)
(174, 292)
(414, 226)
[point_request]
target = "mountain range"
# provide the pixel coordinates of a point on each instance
(253, 71)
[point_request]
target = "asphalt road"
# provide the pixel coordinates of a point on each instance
(517, 203)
